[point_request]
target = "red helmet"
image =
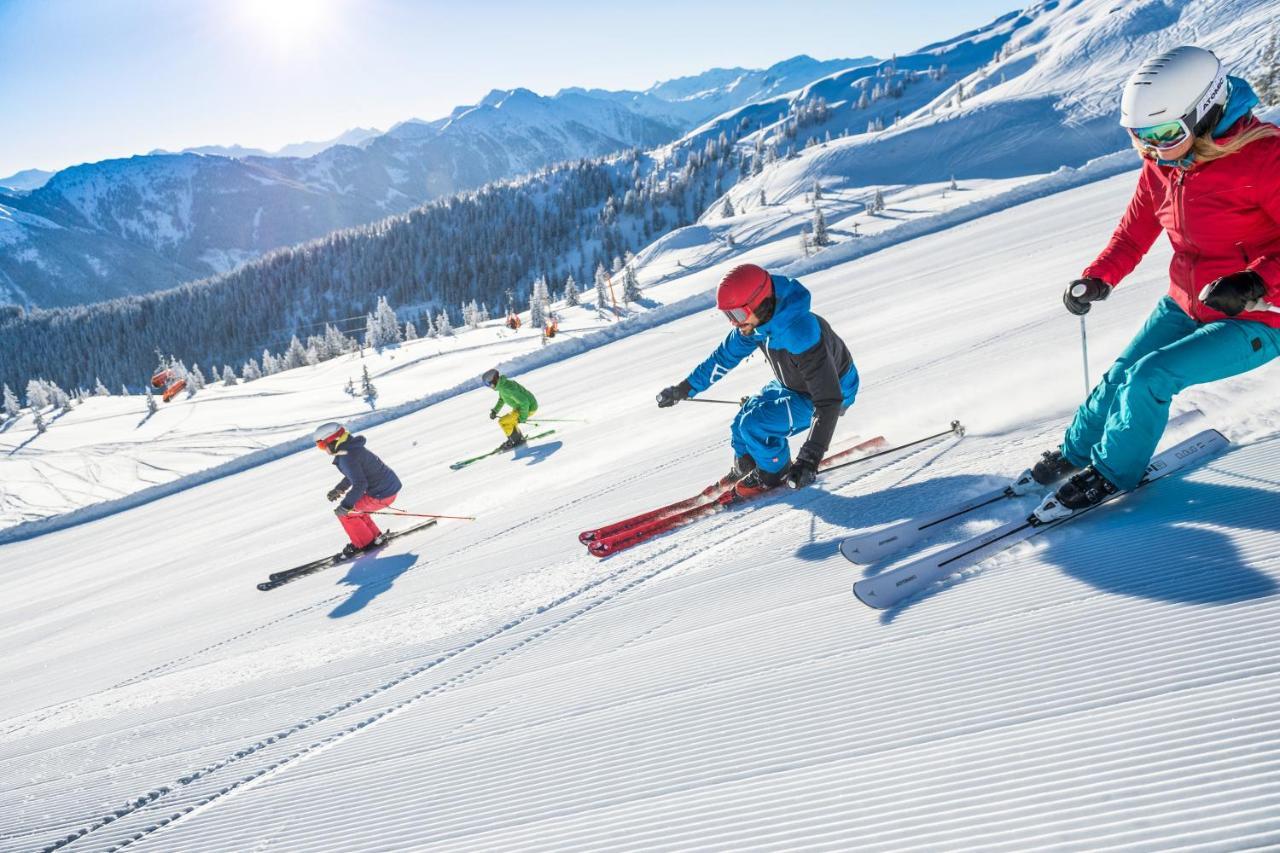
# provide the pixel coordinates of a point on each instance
(743, 290)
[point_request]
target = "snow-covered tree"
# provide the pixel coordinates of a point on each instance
(11, 407)
(444, 327)
(1267, 82)
(100, 390)
(295, 355)
(630, 286)
(953, 184)
(367, 389)
(37, 394)
(538, 303)
(228, 376)
(820, 236)
(269, 363)
(410, 331)
(387, 323)
(471, 315)
(804, 240)
(197, 380)
(152, 407)
(571, 292)
(349, 388)
(877, 203)
(41, 426)
(335, 342)
(817, 190)
(250, 371)
(602, 286)
(763, 202)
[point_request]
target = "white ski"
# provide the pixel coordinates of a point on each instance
(885, 590)
(867, 548)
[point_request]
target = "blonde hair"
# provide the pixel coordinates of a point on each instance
(1206, 148)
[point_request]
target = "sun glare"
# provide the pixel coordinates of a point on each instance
(287, 25)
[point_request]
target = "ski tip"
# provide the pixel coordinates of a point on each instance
(586, 536)
(849, 550)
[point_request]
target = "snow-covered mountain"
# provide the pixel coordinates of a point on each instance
(142, 223)
(354, 136)
(27, 179)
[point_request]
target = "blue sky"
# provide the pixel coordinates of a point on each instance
(85, 80)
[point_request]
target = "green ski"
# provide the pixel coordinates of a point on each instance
(465, 462)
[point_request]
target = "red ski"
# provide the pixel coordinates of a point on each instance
(707, 496)
(618, 537)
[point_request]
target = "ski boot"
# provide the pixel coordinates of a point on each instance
(742, 466)
(1086, 489)
(1051, 468)
(759, 481)
(514, 440)
(349, 550)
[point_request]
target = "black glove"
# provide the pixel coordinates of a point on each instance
(803, 471)
(1082, 291)
(493, 413)
(335, 493)
(1232, 294)
(668, 397)
(341, 510)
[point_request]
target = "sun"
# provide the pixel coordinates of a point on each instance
(287, 24)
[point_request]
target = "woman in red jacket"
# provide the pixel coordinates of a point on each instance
(1210, 180)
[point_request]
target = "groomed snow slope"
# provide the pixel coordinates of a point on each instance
(488, 685)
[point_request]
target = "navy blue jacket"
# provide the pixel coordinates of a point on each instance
(364, 472)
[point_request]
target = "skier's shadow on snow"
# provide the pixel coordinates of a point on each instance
(1157, 545)
(532, 454)
(371, 575)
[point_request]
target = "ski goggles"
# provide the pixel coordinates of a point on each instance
(738, 316)
(326, 443)
(1162, 137)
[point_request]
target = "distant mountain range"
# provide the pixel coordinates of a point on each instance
(134, 225)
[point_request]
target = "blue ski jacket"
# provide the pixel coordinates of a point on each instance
(805, 355)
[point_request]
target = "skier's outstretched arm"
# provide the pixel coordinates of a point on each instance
(732, 350)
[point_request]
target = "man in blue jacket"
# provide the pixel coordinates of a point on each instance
(815, 380)
(367, 482)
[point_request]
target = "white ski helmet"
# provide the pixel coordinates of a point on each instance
(329, 434)
(1174, 95)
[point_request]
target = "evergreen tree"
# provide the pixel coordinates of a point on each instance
(571, 292)
(228, 375)
(953, 183)
(763, 203)
(444, 327)
(630, 286)
(295, 355)
(11, 407)
(335, 342)
(367, 388)
(820, 236)
(726, 209)
(817, 190)
(269, 364)
(37, 394)
(538, 303)
(197, 381)
(386, 325)
(41, 426)
(804, 240)
(471, 315)
(250, 371)
(100, 390)
(877, 203)
(1267, 83)
(410, 331)
(349, 388)
(602, 287)
(151, 402)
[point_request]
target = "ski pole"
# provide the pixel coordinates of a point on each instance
(956, 429)
(421, 515)
(726, 402)
(1084, 352)
(557, 420)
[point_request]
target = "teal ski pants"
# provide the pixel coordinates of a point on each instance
(1119, 425)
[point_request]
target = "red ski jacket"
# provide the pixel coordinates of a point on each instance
(1222, 216)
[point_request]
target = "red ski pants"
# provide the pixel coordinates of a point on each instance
(360, 527)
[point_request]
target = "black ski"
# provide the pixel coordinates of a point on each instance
(276, 579)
